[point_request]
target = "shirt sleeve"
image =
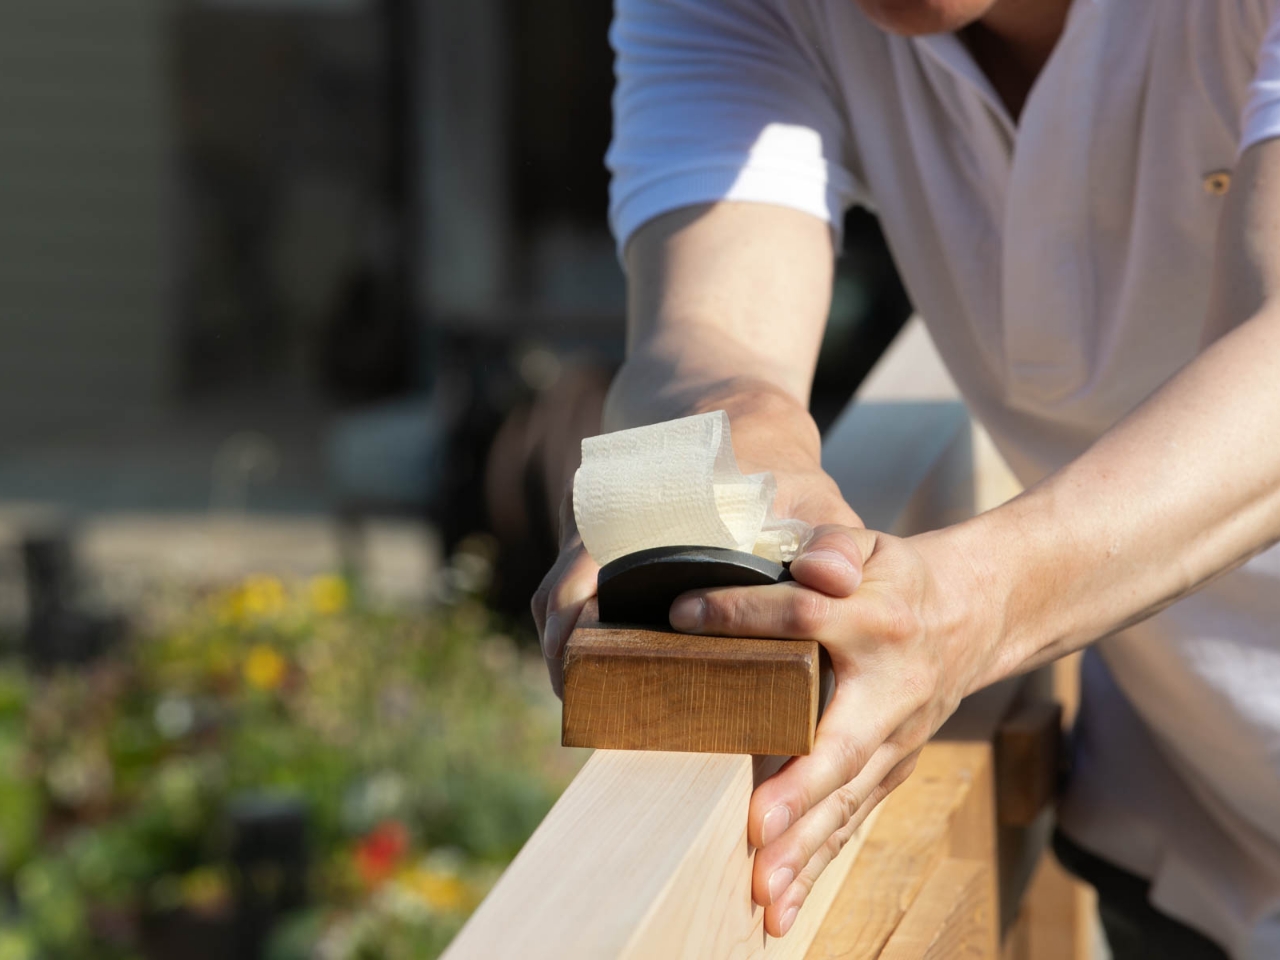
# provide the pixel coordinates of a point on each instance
(1261, 119)
(720, 100)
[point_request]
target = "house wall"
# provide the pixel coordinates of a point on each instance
(84, 183)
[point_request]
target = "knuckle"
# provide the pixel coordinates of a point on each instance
(917, 685)
(854, 754)
(808, 612)
(848, 803)
(901, 623)
(723, 609)
(803, 884)
(836, 842)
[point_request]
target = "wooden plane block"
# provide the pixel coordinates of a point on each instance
(1028, 751)
(627, 688)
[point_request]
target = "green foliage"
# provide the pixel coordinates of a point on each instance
(424, 749)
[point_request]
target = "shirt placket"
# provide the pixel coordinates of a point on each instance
(1048, 298)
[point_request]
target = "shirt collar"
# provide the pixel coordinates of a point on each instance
(949, 51)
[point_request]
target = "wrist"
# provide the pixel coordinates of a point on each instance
(763, 414)
(967, 602)
(770, 426)
(772, 431)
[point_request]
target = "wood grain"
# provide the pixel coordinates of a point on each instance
(627, 688)
(645, 856)
(943, 810)
(953, 917)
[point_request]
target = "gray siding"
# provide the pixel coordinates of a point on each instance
(84, 180)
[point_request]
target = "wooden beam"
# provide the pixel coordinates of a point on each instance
(644, 856)
(944, 810)
(954, 916)
(641, 689)
(629, 688)
(1028, 753)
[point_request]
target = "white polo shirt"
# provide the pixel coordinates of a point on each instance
(1063, 266)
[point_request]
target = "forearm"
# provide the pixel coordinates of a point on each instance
(770, 426)
(1181, 491)
(1184, 489)
(727, 306)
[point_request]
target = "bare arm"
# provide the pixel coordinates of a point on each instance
(1180, 491)
(726, 309)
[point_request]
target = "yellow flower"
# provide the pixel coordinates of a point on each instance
(329, 595)
(229, 606)
(438, 889)
(263, 596)
(205, 890)
(264, 668)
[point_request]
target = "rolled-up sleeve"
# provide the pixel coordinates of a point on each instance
(720, 100)
(1261, 119)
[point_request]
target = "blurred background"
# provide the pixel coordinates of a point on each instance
(305, 306)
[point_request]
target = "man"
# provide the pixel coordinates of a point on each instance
(1084, 202)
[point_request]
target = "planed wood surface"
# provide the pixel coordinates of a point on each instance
(953, 918)
(1028, 753)
(628, 688)
(944, 810)
(644, 857)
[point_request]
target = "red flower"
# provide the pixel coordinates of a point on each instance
(380, 852)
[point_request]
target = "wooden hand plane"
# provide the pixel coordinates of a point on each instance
(632, 683)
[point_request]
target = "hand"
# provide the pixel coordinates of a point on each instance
(559, 599)
(809, 495)
(894, 615)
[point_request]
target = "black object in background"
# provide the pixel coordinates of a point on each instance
(59, 631)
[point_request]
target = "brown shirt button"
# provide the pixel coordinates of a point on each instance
(1216, 184)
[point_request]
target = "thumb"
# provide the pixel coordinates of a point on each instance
(831, 562)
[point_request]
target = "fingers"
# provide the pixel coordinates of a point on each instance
(800, 818)
(838, 758)
(785, 899)
(832, 559)
(558, 603)
(862, 719)
(787, 611)
(783, 611)
(551, 594)
(809, 607)
(830, 566)
(790, 611)
(779, 863)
